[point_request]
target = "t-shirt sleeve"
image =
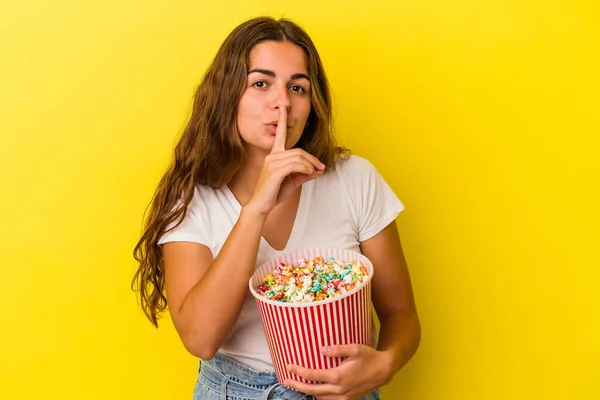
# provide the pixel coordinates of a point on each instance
(191, 228)
(375, 203)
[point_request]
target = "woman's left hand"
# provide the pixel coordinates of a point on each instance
(363, 370)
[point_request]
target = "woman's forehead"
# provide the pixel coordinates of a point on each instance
(284, 57)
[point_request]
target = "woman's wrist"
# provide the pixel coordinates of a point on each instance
(252, 216)
(390, 364)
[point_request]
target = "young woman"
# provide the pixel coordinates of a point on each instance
(256, 174)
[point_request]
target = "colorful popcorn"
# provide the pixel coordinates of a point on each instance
(310, 281)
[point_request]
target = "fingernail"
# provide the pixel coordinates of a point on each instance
(289, 368)
(325, 350)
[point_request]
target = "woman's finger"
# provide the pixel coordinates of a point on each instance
(316, 389)
(291, 167)
(296, 153)
(281, 132)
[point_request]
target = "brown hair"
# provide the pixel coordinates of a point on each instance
(210, 150)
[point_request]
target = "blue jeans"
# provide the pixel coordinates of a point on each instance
(222, 378)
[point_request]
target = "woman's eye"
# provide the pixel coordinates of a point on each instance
(260, 84)
(297, 89)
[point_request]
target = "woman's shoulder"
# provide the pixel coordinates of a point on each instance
(205, 196)
(350, 173)
(354, 165)
(206, 190)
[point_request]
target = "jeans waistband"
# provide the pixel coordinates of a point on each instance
(230, 378)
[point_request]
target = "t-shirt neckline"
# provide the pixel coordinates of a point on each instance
(298, 220)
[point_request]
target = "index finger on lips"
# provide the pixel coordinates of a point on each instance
(281, 132)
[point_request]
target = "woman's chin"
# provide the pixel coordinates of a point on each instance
(261, 149)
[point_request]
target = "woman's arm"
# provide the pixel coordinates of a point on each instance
(205, 297)
(393, 298)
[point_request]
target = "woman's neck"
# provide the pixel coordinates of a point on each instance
(243, 182)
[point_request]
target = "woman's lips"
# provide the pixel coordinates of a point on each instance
(273, 128)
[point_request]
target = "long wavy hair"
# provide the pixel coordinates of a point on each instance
(210, 150)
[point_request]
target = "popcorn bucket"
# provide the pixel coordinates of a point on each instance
(296, 331)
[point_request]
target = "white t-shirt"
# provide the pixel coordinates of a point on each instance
(340, 209)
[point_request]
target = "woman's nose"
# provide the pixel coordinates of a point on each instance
(281, 98)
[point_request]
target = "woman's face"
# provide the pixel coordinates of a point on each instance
(277, 77)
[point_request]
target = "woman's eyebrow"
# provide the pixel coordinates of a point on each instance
(272, 74)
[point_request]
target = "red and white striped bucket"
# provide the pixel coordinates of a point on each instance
(296, 331)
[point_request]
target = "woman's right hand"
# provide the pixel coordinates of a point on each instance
(283, 171)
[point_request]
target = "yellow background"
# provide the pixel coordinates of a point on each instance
(482, 116)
